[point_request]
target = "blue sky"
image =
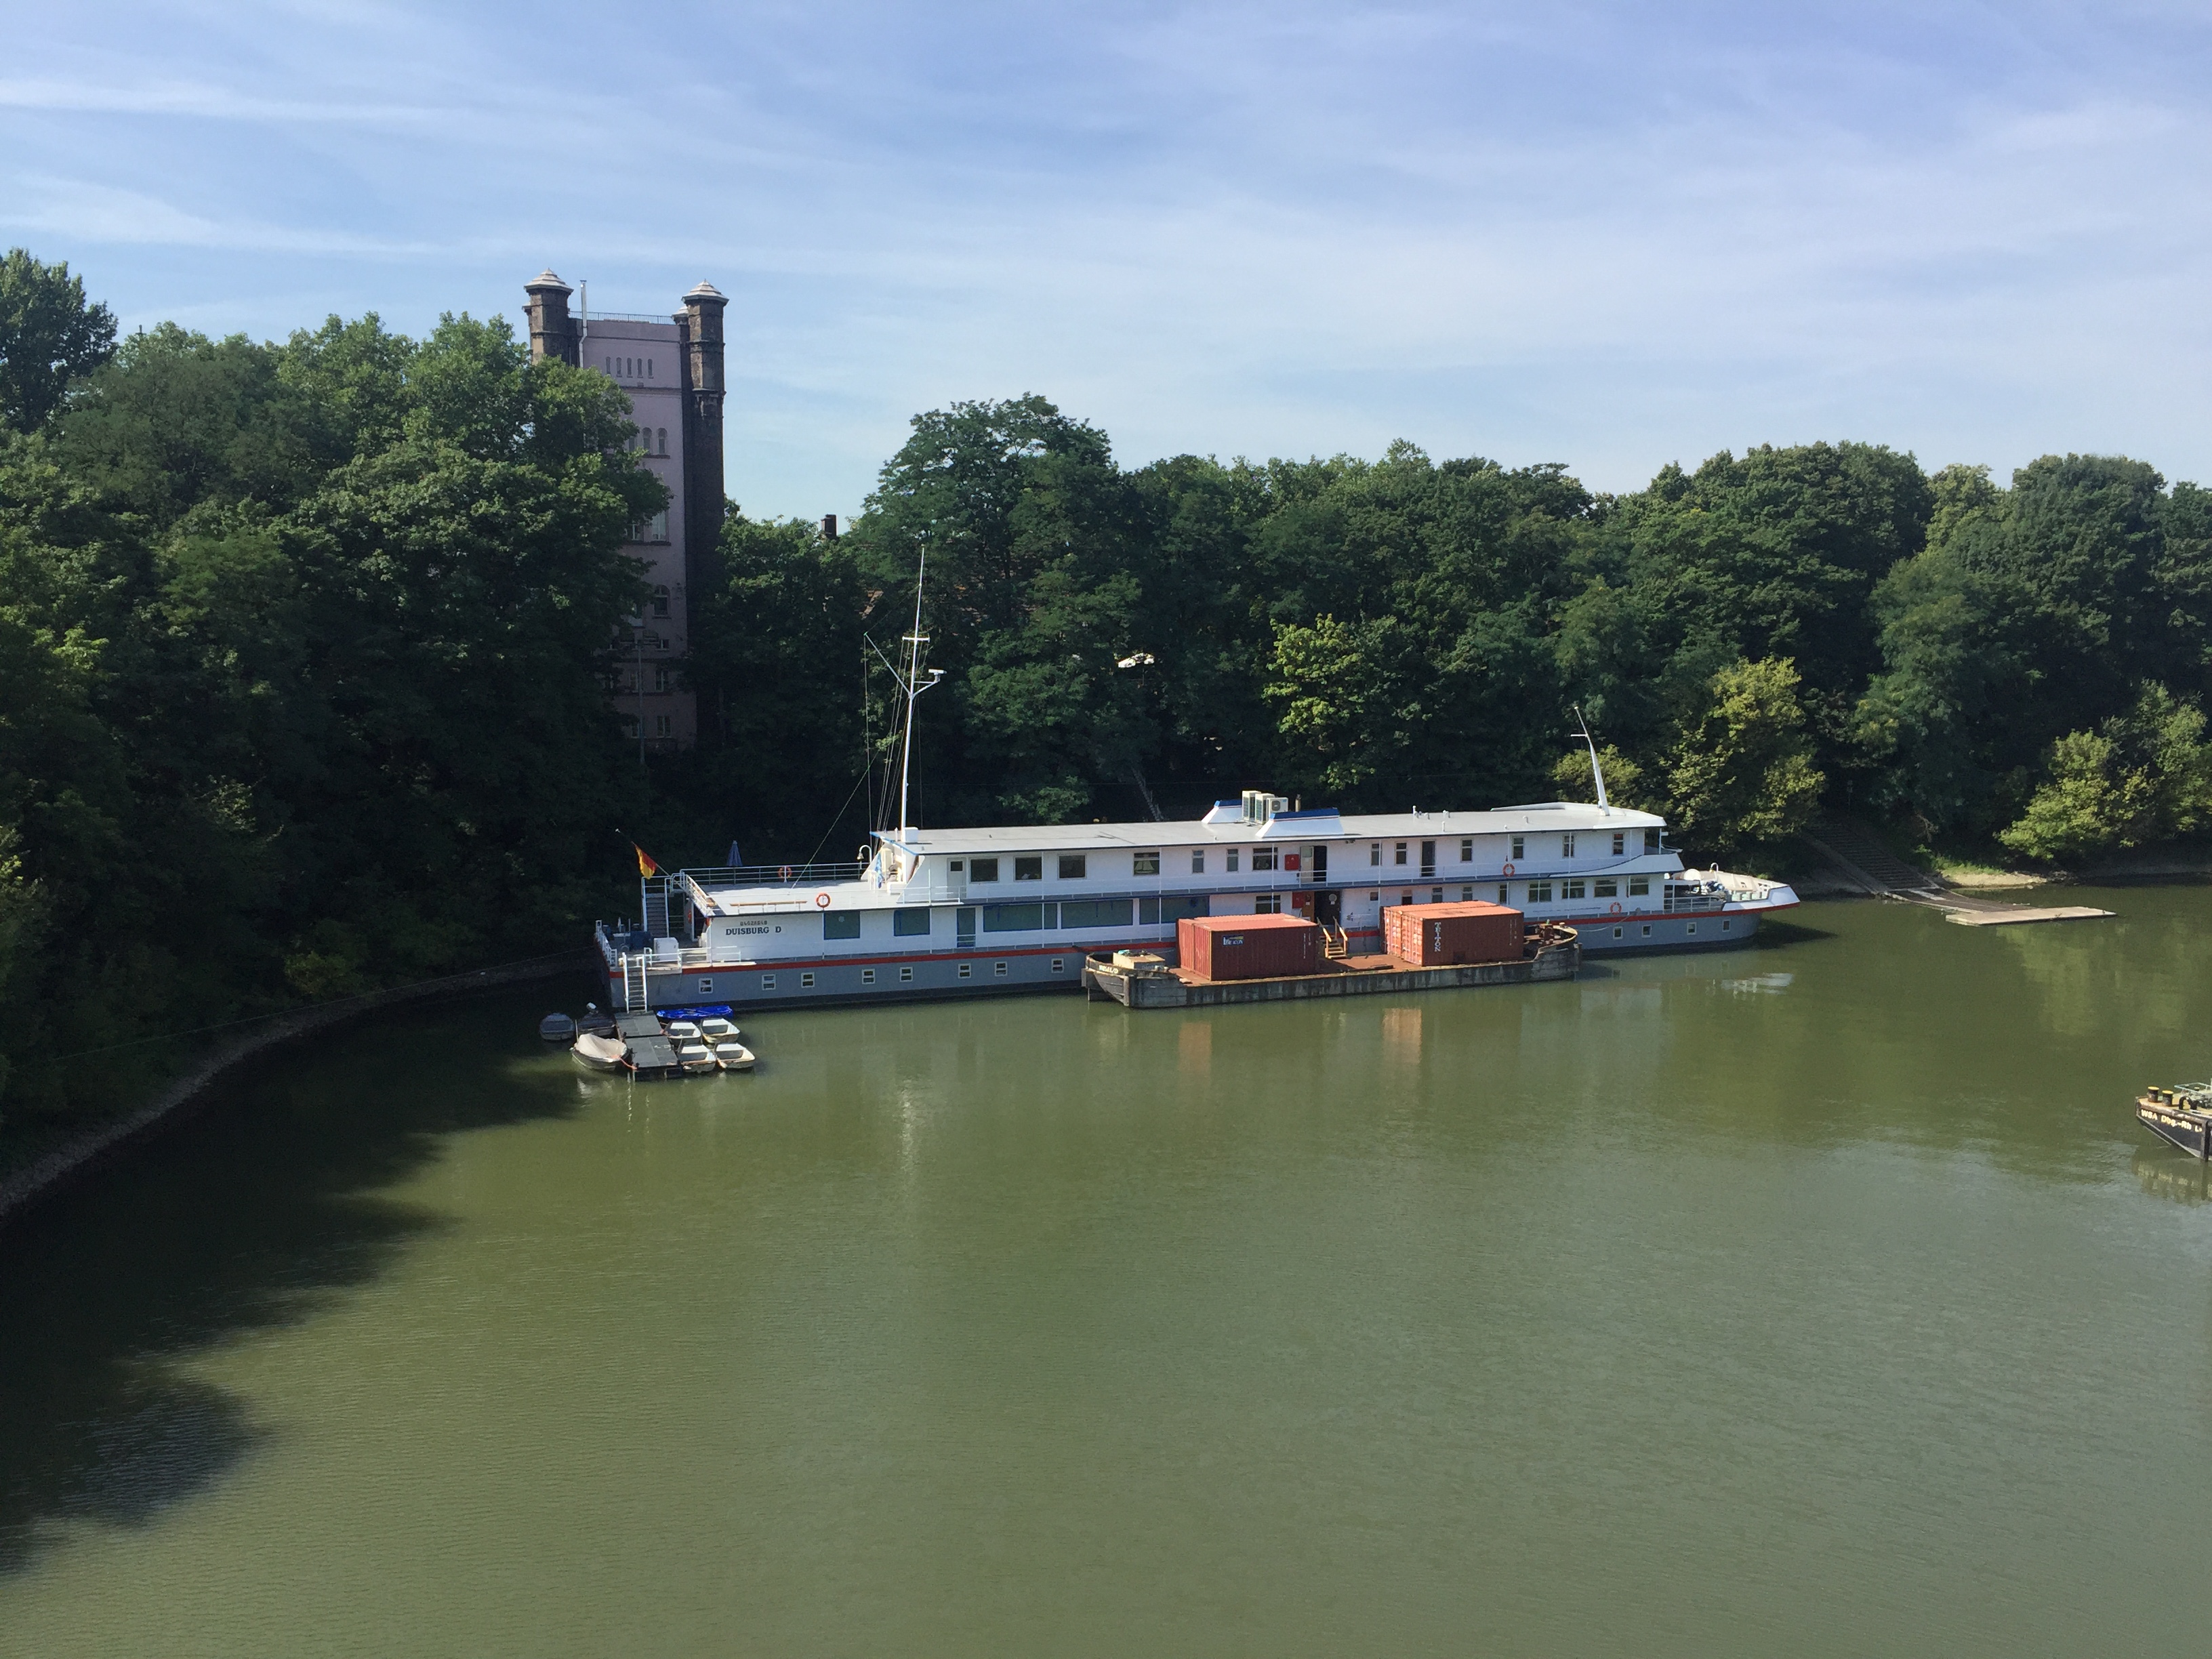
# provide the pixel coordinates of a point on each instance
(1611, 235)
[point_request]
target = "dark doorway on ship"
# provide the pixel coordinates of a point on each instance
(1328, 907)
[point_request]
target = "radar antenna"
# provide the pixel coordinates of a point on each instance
(1597, 772)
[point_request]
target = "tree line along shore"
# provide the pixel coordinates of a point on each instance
(305, 650)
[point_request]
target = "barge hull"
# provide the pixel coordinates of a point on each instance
(1103, 981)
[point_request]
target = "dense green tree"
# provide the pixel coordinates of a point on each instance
(50, 336)
(2145, 775)
(1742, 777)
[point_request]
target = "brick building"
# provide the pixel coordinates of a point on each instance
(673, 370)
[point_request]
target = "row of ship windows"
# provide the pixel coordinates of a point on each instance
(868, 975)
(1075, 866)
(1045, 915)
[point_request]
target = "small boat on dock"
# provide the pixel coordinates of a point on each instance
(598, 1053)
(2182, 1117)
(718, 1030)
(696, 1058)
(556, 1028)
(733, 1057)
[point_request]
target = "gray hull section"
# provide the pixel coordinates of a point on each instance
(1028, 971)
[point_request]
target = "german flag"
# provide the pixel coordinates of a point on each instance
(646, 866)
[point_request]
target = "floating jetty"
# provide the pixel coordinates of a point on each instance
(1141, 980)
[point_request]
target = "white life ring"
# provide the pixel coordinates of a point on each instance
(1509, 869)
(822, 901)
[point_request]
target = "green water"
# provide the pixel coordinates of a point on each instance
(1820, 1298)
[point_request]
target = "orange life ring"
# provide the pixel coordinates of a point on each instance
(1616, 909)
(822, 901)
(787, 873)
(1509, 869)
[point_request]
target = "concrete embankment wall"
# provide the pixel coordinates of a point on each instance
(82, 1154)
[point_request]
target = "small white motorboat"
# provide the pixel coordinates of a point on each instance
(601, 1054)
(556, 1028)
(734, 1056)
(681, 1031)
(718, 1030)
(695, 1057)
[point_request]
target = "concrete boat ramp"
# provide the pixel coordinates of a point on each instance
(1868, 865)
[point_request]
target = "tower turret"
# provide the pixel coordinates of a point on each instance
(552, 330)
(701, 323)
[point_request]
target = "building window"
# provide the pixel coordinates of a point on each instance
(910, 924)
(664, 440)
(840, 924)
(1029, 869)
(1518, 853)
(1400, 858)
(1228, 860)
(964, 966)
(662, 725)
(1650, 841)
(806, 981)
(1639, 886)
(768, 981)
(1057, 964)
(906, 973)
(867, 977)
(1566, 847)
(659, 601)
(982, 869)
(1619, 842)
(999, 970)
(660, 676)
(1605, 887)
(1197, 861)
(1263, 857)
(629, 724)
(1539, 892)
(1267, 904)
(1073, 866)
(1572, 889)
(1145, 864)
(1466, 849)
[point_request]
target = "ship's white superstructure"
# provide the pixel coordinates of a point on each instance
(964, 912)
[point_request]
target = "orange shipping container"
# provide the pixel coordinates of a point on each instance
(1440, 935)
(1248, 947)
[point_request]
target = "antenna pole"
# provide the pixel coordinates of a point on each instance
(1597, 772)
(915, 641)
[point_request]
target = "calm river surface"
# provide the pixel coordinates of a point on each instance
(1820, 1298)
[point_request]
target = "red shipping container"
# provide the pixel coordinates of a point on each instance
(1441, 935)
(1248, 947)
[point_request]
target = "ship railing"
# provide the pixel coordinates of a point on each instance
(776, 875)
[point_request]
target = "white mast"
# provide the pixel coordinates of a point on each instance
(1596, 771)
(915, 641)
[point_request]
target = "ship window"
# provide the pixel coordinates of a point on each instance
(1228, 860)
(840, 924)
(1375, 852)
(1501, 892)
(982, 870)
(1619, 843)
(1000, 969)
(1400, 858)
(1057, 964)
(906, 973)
(1518, 845)
(1374, 897)
(910, 924)
(1466, 895)
(1197, 861)
(1267, 904)
(806, 981)
(1638, 886)
(1726, 924)
(1607, 887)
(1013, 918)
(1618, 932)
(1404, 898)
(956, 866)
(1571, 890)
(706, 988)
(1539, 892)
(1145, 864)
(867, 977)
(964, 968)
(1693, 926)
(1647, 930)
(1029, 869)
(1466, 849)
(1073, 866)
(1566, 847)
(1095, 913)
(1650, 841)
(768, 981)
(1263, 857)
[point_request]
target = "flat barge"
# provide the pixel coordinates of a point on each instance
(1141, 981)
(2179, 1117)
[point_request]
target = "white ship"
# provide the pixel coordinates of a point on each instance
(948, 912)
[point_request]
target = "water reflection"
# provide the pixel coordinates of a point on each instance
(2176, 1176)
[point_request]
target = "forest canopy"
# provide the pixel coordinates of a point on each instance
(306, 649)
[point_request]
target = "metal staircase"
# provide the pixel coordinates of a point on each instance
(636, 997)
(1336, 943)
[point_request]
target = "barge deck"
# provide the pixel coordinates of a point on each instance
(1149, 987)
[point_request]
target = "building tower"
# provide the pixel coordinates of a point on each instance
(701, 323)
(552, 330)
